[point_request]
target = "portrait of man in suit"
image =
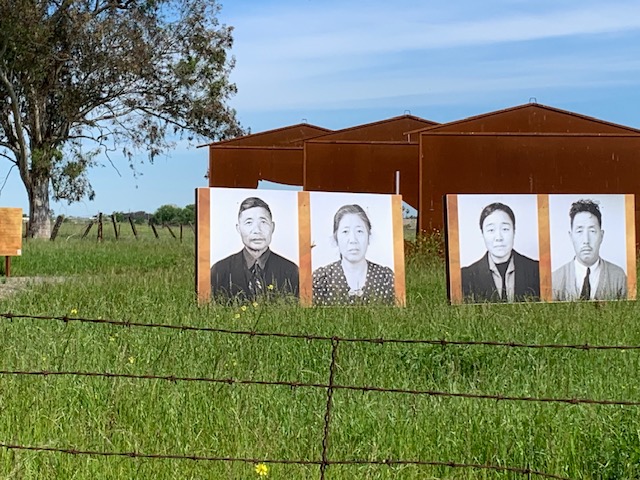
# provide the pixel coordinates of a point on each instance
(588, 276)
(502, 274)
(255, 271)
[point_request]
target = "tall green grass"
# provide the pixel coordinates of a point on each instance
(152, 281)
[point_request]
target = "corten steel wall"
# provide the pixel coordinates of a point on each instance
(524, 163)
(290, 136)
(392, 130)
(244, 166)
(274, 155)
(365, 167)
(529, 118)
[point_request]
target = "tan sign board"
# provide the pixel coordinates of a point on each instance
(10, 231)
(540, 247)
(325, 248)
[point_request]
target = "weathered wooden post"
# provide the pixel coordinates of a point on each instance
(86, 232)
(170, 231)
(115, 225)
(99, 226)
(56, 227)
(133, 227)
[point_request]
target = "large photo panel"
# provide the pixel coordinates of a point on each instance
(493, 248)
(247, 244)
(357, 249)
(592, 243)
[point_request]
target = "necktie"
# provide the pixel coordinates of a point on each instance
(585, 294)
(256, 284)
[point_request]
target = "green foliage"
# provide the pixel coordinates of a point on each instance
(81, 78)
(151, 281)
(175, 215)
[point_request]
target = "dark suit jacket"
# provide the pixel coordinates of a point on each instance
(230, 277)
(478, 284)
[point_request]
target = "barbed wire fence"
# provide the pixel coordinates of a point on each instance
(330, 387)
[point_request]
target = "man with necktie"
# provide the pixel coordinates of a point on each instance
(255, 272)
(588, 276)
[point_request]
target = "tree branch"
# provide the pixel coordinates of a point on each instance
(12, 160)
(6, 178)
(22, 157)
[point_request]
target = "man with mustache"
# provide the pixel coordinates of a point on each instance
(588, 276)
(256, 271)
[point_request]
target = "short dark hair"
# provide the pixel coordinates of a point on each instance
(492, 207)
(353, 209)
(253, 202)
(588, 206)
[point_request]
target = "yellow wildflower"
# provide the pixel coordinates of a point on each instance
(243, 308)
(270, 286)
(255, 304)
(262, 470)
(132, 360)
(74, 311)
(237, 315)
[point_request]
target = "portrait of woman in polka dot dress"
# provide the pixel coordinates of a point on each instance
(352, 279)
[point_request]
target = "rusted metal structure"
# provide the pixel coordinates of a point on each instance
(530, 148)
(366, 158)
(363, 158)
(275, 155)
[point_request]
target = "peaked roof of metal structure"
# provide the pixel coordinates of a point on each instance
(390, 129)
(530, 117)
(289, 136)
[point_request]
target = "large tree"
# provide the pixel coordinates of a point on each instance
(84, 77)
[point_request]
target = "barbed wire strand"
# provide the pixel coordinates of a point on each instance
(387, 462)
(310, 337)
(233, 381)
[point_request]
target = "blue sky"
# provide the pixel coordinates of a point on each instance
(341, 63)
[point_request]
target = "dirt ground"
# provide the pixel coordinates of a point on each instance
(12, 285)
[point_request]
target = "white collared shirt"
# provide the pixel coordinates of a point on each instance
(594, 276)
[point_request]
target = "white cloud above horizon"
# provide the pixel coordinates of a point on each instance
(311, 55)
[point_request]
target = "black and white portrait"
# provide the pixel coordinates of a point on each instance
(254, 244)
(352, 254)
(499, 248)
(588, 247)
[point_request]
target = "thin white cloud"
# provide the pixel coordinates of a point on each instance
(348, 54)
(321, 33)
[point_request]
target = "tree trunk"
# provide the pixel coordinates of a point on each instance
(39, 220)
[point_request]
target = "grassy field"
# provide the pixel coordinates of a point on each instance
(152, 281)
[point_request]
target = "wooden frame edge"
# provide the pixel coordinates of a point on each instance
(544, 248)
(203, 245)
(630, 214)
(398, 251)
(452, 248)
(304, 246)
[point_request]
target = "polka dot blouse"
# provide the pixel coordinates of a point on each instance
(330, 286)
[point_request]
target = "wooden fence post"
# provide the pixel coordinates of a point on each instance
(56, 227)
(153, 227)
(133, 227)
(86, 232)
(170, 231)
(115, 225)
(99, 226)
